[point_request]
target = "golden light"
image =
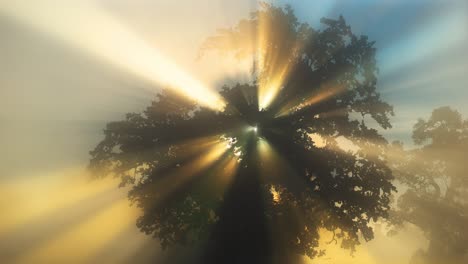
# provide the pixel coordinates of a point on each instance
(269, 87)
(276, 194)
(224, 172)
(325, 92)
(272, 165)
(209, 156)
(401, 246)
(79, 242)
(340, 143)
(88, 27)
(271, 83)
(93, 232)
(45, 194)
(273, 65)
(319, 141)
(266, 94)
(63, 212)
(326, 242)
(191, 147)
(36, 211)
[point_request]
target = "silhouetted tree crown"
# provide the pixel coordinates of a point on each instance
(267, 194)
(437, 186)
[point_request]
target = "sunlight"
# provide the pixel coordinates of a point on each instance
(339, 143)
(206, 176)
(268, 88)
(44, 194)
(70, 195)
(273, 65)
(265, 94)
(324, 93)
(276, 194)
(336, 254)
(384, 249)
(46, 207)
(272, 82)
(177, 177)
(265, 151)
(253, 129)
(85, 239)
(85, 25)
(319, 141)
(272, 166)
(224, 172)
(192, 147)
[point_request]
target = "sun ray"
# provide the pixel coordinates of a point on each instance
(325, 92)
(273, 65)
(84, 240)
(88, 27)
(271, 165)
(225, 170)
(355, 146)
(276, 170)
(64, 189)
(39, 230)
(192, 147)
(175, 178)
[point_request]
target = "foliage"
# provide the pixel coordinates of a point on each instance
(266, 210)
(435, 175)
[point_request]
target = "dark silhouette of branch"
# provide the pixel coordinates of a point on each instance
(250, 184)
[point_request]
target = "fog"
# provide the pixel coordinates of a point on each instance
(57, 98)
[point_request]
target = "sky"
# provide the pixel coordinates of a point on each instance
(59, 87)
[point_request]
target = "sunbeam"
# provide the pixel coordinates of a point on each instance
(87, 26)
(61, 194)
(80, 238)
(184, 171)
(322, 94)
(53, 207)
(302, 132)
(274, 63)
(272, 166)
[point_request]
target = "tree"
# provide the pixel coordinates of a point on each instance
(282, 175)
(435, 175)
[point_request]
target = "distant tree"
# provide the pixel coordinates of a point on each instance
(437, 181)
(271, 209)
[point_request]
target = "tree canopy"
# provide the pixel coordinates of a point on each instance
(290, 155)
(435, 175)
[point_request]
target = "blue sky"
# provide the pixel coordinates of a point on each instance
(421, 51)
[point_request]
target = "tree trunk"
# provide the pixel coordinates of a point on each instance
(241, 234)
